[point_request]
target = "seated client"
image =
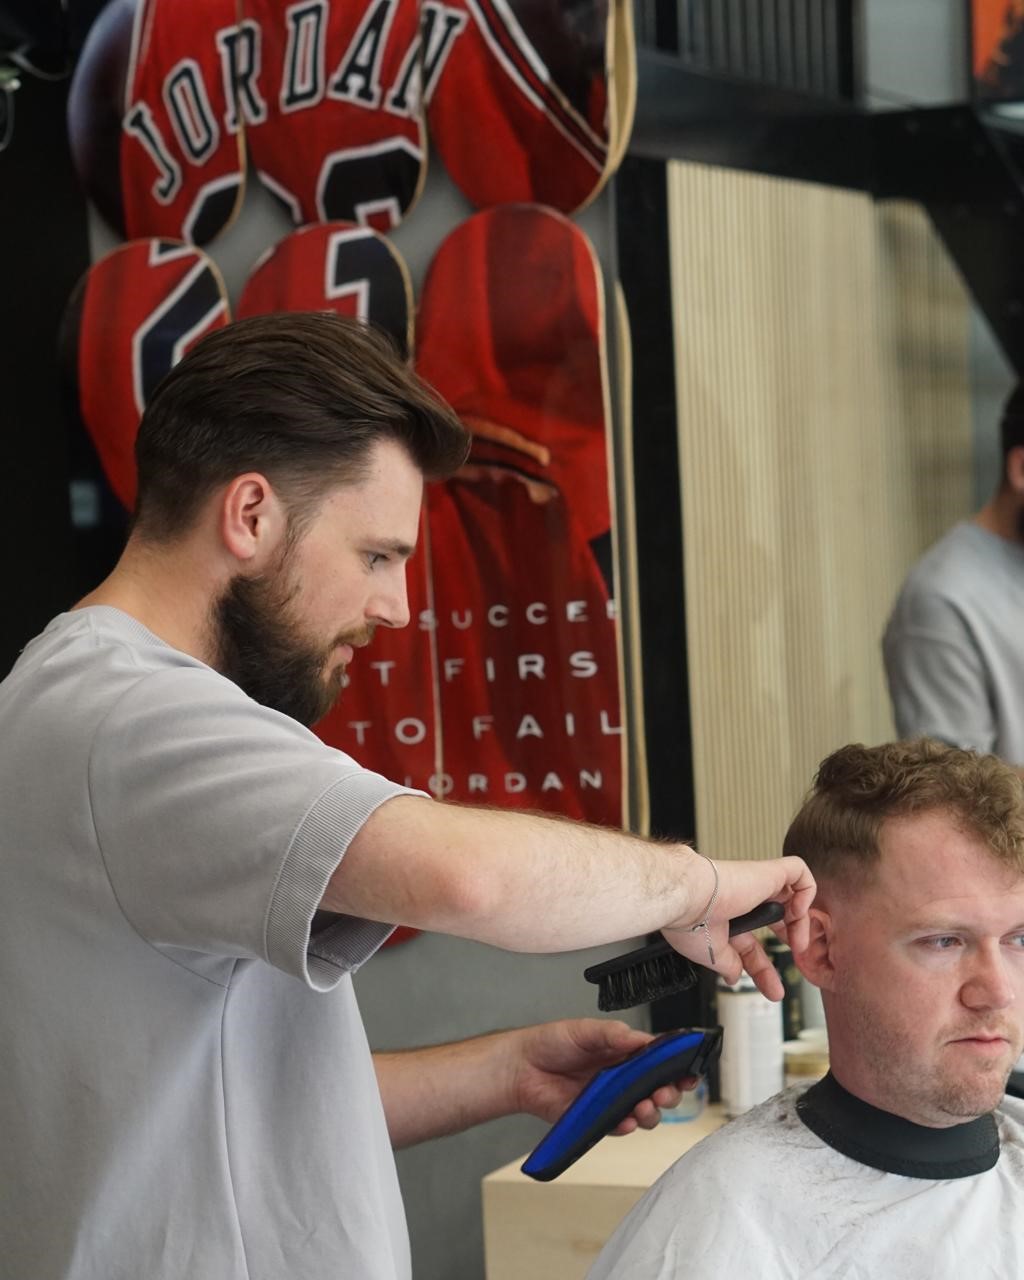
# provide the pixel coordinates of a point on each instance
(905, 1161)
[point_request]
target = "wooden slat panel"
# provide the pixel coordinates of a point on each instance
(824, 421)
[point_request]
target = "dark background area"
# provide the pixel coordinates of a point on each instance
(43, 252)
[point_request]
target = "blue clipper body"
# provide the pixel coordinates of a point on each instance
(615, 1091)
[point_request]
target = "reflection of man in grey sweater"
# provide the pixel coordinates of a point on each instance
(954, 645)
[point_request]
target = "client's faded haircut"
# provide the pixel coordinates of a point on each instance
(857, 788)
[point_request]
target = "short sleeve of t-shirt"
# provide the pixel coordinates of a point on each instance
(220, 822)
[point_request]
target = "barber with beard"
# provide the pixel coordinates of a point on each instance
(953, 653)
(190, 876)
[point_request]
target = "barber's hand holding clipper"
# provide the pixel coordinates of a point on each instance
(742, 896)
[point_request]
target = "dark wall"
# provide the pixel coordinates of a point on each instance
(43, 251)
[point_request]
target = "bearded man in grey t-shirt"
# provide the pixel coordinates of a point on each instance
(189, 876)
(953, 647)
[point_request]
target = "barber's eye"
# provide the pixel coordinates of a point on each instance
(375, 557)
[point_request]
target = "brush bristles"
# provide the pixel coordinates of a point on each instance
(664, 975)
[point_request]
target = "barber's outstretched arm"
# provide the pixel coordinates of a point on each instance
(537, 1071)
(527, 882)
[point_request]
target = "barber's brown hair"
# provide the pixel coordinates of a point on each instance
(301, 397)
(857, 788)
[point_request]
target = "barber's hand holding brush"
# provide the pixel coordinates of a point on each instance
(720, 938)
(731, 888)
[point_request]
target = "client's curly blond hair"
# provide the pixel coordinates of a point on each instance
(857, 788)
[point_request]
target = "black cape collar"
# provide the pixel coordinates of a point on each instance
(894, 1145)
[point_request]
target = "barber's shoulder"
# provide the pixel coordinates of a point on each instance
(176, 698)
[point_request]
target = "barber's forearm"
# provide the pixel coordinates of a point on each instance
(513, 880)
(428, 1093)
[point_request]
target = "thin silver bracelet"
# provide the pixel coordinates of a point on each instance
(703, 924)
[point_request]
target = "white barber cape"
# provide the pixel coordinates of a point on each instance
(766, 1197)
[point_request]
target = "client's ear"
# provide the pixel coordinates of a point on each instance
(815, 963)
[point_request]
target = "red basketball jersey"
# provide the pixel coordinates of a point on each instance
(336, 266)
(136, 313)
(182, 165)
(517, 98)
(335, 130)
(511, 333)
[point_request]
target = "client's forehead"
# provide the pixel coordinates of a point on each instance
(932, 856)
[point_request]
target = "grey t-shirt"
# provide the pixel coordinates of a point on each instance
(186, 1089)
(954, 645)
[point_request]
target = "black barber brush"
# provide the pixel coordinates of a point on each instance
(658, 969)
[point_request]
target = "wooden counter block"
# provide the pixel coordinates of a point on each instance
(555, 1230)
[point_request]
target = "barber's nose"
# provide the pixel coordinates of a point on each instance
(989, 984)
(390, 606)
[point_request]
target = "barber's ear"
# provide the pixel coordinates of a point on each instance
(815, 963)
(253, 523)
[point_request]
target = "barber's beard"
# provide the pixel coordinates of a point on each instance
(261, 646)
